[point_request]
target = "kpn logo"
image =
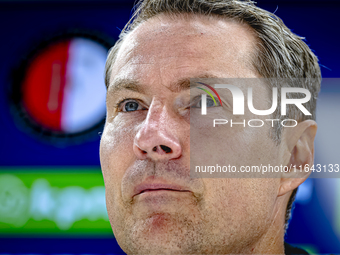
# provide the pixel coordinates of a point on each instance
(238, 100)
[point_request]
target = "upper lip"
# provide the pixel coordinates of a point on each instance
(143, 187)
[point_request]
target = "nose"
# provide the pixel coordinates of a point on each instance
(156, 138)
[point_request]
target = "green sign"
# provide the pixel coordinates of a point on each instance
(53, 201)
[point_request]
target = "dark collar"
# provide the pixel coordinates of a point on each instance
(291, 250)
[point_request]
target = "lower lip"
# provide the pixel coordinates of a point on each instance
(161, 201)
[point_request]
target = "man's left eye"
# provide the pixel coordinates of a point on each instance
(198, 102)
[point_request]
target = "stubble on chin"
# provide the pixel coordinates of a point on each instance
(163, 233)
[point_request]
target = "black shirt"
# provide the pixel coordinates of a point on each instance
(290, 250)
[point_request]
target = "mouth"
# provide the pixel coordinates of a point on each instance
(158, 187)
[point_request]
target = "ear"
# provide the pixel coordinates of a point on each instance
(300, 144)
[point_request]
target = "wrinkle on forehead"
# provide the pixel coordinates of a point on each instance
(193, 27)
(177, 41)
(194, 24)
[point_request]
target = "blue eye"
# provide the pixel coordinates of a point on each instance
(210, 102)
(198, 103)
(131, 106)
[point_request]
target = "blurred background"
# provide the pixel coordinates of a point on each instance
(52, 110)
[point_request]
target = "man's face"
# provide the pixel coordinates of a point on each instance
(153, 204)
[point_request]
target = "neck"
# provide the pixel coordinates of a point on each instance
(272, 242)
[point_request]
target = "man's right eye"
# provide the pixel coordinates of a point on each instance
(130, 105)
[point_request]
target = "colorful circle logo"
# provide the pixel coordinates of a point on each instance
(61, 93)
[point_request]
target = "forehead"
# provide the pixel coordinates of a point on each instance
(185, 46)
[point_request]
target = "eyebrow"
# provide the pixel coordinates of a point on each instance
(177, 86)
(125, 84)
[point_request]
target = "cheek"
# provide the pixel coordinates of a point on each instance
(116, 153)
(234, 146)
(240, 205)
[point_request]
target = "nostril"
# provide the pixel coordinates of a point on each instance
(166, 149)
(154, 148)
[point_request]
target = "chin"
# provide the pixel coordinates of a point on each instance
(162, 234)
